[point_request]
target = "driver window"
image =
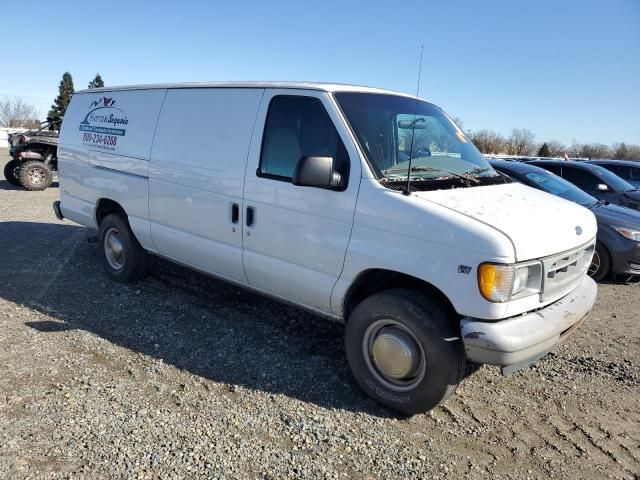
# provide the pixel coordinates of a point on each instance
(297, 127)
(581, 178)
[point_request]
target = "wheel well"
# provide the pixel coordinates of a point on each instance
(376, 280)
(105, 207)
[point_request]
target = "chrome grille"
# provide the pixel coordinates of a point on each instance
(566, 270)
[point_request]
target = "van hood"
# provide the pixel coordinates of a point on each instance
(537, 223)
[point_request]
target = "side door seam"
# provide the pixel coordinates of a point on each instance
(153, 141)
(244, 183)
(344, 258)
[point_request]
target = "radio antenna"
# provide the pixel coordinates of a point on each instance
(407, 190)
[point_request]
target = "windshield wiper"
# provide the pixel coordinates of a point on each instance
(478, 171)
(505, 177)
(465, 176)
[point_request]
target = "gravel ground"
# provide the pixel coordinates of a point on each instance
(182, 376)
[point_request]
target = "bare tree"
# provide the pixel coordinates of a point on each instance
(595, 150)
(574, 149)
(634, 152)
(521, 142)
(14, 113)
(488, 141)
(556, 148)
(620, 151)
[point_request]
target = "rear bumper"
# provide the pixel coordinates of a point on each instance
(57, 211)
(517, 342)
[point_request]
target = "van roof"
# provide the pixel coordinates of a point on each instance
(325, 87)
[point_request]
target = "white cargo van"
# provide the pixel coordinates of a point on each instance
(355, 203)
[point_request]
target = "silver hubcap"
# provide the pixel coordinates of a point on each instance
(114, 249)
(595, 264)
(36, 175)
(394, 355)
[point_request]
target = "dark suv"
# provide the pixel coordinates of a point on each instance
(630, 171)
(618, 247)
(595, 180)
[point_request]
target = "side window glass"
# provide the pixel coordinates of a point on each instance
(581, 178)
(297, 127)
(624, 172)
(613, 168)
(553, 169)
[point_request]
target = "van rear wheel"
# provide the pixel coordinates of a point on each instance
(404, 350)
(123, 257)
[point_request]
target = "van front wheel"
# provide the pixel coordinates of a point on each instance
(123, 257)
(404, 350)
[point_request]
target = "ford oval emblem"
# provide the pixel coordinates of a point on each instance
(578, 230)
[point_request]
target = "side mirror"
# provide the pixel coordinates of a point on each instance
(316, 172)
(602, 187)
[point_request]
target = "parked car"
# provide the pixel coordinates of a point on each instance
(34, 156)
(627, 170)
(301, 191)
(618, 239)
(595, 180)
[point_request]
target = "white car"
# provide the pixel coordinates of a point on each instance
(359, 204)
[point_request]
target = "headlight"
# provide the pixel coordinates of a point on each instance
(501, 283)
(629, 233)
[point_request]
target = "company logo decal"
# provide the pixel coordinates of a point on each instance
(104, 117)
(103, 124)
(578, 230)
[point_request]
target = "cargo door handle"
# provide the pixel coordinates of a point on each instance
(250, 216)
(235, 213)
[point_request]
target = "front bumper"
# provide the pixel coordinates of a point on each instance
(626, 257)
(517, 342)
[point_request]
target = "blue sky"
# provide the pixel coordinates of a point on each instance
(566, 69)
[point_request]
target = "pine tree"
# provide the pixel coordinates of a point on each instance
(60, 104)
(544, 151)
(97, 82)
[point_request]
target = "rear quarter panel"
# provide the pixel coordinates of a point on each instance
(104, 151)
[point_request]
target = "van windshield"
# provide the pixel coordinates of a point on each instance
(390, 129)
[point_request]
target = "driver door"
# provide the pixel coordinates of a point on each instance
(296, 238)
(589, 182)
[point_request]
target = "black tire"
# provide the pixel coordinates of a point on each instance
(12, 172)
(132, 264)
(600, 267)
(436, 335)
(35, 175)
